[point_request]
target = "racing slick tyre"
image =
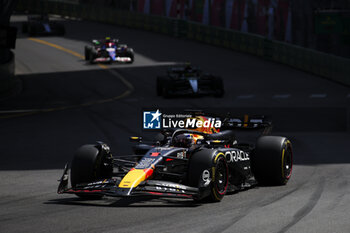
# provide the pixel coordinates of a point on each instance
(90, 163)
(132, 58)
(25, 27)
(159, 86)
(87, 50)
(165, 88)
(32, 30)
(272, 160)
(206, 166)
(165, 92)
(219, 87)
(130, 54)
(92, 56)
(61, 31)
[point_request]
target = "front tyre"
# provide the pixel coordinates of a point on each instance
(92, 56)
(220, 178)
(91, 163)
(272, 160)
(208, 171)
(130, 54)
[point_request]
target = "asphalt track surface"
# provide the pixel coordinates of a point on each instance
(64, 103)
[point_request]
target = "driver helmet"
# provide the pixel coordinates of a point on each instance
(183, 140)
(109, 42)
(188, 67)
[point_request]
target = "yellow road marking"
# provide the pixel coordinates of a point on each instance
(102, 66)
(113, 72)
(126, 93)
(57, 47)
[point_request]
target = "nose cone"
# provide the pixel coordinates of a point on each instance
(135, 177)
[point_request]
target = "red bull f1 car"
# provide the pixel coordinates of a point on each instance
(188, 80)
(107, 51)
(184, 163)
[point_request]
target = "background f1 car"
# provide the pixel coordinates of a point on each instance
(42, 25)
(182, 163)
(189, 80)
(108, 50)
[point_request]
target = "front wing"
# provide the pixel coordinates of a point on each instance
(109, 187)
(109, 59)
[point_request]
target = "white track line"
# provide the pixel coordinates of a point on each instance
(281, 96)
(245, 96)
(318, 95)
(122, 79)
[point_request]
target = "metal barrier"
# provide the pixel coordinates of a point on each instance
(322, 64)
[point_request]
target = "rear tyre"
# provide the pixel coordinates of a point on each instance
(87, 53)
(219, 87)
(25, 27)
(165, 92)
(159, 86)
(272, 160)
(61, 30)
(90, 163)
(165, 88)
(32, 30)
(209, 165)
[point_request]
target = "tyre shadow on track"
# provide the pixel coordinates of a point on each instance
(145, 201)
(138, 202)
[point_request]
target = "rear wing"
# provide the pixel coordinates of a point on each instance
(182, 69)
(258, 123)
(38, 17)
(245, 122)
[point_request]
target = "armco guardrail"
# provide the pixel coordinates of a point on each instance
(325, 65)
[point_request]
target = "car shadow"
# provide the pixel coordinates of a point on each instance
(138, 202)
